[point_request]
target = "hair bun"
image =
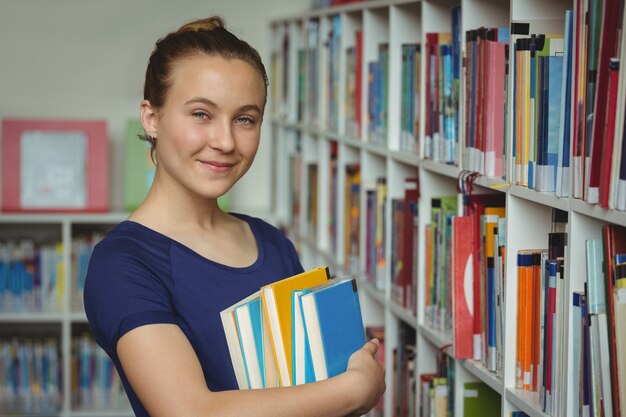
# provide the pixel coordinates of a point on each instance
(209, 23)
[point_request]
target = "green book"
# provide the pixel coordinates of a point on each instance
(479, 400)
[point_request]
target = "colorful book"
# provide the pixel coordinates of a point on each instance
(334, 325)
(229, 323)
(277, 306)
(250, 330)
(479, 400)
(463, 269)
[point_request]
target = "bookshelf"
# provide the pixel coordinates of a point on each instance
(56, 316)
(305, 127)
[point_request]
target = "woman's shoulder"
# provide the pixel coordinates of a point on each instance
(265, 230)
(134, 239)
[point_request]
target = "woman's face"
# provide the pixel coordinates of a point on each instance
(209, 127)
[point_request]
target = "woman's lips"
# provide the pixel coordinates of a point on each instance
(217, 166)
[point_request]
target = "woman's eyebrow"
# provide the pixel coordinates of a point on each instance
(210, 103)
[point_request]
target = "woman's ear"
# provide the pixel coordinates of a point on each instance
(148, 118)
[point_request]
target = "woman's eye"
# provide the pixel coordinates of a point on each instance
(245, 120)
(200, 114)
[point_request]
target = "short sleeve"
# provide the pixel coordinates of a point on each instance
(293, 254)
(123, 291)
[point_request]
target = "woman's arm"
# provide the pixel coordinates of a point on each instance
(164, 371)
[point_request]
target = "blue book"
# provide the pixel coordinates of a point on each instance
(334, 325)
(552, 122)
(576, 347)
(562, 171)
(250, 330)
(301, 356)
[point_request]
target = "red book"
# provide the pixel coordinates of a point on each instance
(609, 134)
(475, 207)
(358, 94)
(463, 276)
(600, 151)
(432, 94)
(411, 195)
(494, 107)
(613, 242)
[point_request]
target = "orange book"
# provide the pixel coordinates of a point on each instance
(277, 300)
(525, 318)
(536, 320)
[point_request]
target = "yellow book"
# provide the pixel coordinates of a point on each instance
(277, 299)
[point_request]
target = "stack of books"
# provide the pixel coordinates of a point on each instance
(301, 329)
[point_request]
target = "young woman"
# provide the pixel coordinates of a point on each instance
(157, 282)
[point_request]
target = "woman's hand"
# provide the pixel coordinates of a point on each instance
(367, 376)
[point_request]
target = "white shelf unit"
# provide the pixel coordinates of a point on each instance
(68, 320)
(528, 212)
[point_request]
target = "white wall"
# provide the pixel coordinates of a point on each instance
(87, 58)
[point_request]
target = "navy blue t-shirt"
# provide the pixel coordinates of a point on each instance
(138, 276)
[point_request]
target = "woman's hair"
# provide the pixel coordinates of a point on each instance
(200, 37)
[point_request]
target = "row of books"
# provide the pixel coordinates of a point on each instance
(95, 381)
(442, 92)
(375, 230)
(599, 369)
(559, 96)
(320, 4)
(436, 389)
(32, 275)
(541, 317)
(404, 245)
(599, 314)
(410, 92)
(599, 160)
(485, 100)
(404, 381)
(401, 263)
(354, 94)
(297, 330)
(378, 93)
(30, 376)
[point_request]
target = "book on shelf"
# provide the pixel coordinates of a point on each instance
(439, 309)
(480, 400)
(312, 199)
(31, 370)
(410, 97)
(440, 137)
(31, 276)
(619, 301)
(486, 106)
(333, 73)
(462, 252)
(613, 243)
(604, 34)
(97, 383)
(352, 238)
(562, 187)
(378, 332)
(378, 92)
(404, 375)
